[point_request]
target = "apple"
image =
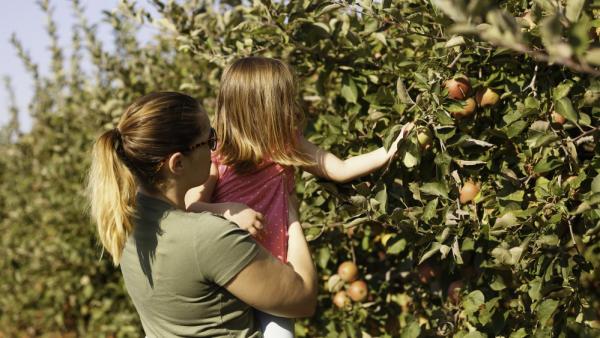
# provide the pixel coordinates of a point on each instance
(458, 88)
(486, 97)
(469, 106)
(454, 291)
(557, 118)
(348, 271)
(358, 291)
(341, 300)
(468, 192)
(424, 138)
(426, 272)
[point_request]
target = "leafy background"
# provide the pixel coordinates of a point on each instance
(525, 250)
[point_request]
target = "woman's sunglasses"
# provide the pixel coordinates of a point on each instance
(212, 141)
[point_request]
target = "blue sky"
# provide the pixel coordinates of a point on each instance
(28, 22)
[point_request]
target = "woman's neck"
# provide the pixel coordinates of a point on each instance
(171, 195)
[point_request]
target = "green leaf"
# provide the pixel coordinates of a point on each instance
(502, 256)
(565, 108)
(397, 247)
(435, 247)
(595, 187)
(349, 90)
(381, 197)
(548, 164)
(549, 240)
(520, 333)
(323, 257)
(574, 9)
(516, 196)
(535, 286)
(562, 90)
(593, 56)
(410, 160)
(435, 188)
(475, 334)
(537, 140)
(508, 219)
(498, 283)
(412, 330)
(516, 128)
(356, 222)
(473, 301)
(430, 210)
(451, 9)
(455, 41)
(546, 310)
(402, 92)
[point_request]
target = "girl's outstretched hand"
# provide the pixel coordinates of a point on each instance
(245, 217)
(403, 133)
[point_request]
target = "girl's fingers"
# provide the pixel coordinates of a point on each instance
(259, 216)
(252, 231)
(258, 225)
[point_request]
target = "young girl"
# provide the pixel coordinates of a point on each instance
(258, 121)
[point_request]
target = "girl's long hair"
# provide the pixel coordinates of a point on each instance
(152, 128)
(258, 117)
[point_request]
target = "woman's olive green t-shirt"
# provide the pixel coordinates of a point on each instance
(175, 265)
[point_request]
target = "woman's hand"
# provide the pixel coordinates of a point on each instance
(403, 133)
(245, 217)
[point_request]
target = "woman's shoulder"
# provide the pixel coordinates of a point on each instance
(199, 221)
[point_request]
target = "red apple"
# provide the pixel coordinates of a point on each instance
(341, 299)
(468, 192)
(458, 88)
(454, 291)
(469, 106)
(426, 272)
(348, 271)
(486, 97)
(557, 118)
(358, 291)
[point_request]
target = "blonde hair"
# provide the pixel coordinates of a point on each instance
(153, 127)
(258, 116)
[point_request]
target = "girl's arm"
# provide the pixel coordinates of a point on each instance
(329, 166)
(198, 199)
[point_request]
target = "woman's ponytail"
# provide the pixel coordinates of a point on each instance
(153, 127)
(112, 190)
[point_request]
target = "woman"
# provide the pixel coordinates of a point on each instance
(188, 274)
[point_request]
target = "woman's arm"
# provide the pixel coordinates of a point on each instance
(198, 199)
(329, 166)
(273, 287)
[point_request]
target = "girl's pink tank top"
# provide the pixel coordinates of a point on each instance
(265, 190)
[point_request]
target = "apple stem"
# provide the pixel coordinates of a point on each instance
(585, 133)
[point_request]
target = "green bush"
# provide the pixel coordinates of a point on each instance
(525, 249)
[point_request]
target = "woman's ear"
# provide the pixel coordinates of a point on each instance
(175, 163)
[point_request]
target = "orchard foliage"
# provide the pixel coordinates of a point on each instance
(486, 224)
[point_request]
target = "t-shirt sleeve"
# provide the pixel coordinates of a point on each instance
(223, 250)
